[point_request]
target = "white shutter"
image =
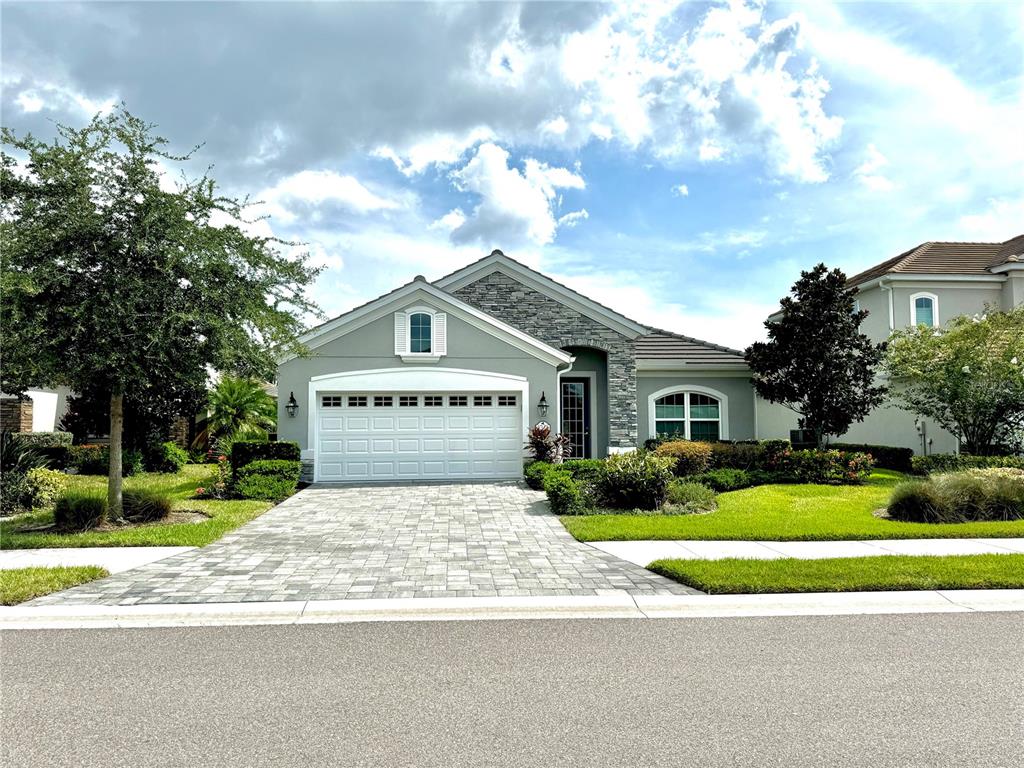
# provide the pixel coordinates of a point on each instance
(440, 345)
(401, 334)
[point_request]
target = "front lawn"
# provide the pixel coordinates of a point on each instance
(786, 513)
(846, 574)
(20, 584)
(224, 516)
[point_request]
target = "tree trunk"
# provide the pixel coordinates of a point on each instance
(114, 480)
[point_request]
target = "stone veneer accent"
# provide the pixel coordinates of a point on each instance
(560, 326)
(15, 414)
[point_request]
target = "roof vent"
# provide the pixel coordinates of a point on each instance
(496, 252)
(419, 279)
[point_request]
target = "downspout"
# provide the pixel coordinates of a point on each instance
(892, 312)
(558, 396)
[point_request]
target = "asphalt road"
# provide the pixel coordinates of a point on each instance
(910, 690)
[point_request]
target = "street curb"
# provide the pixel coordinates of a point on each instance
(617, 605)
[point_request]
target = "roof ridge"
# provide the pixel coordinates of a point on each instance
(683, 336)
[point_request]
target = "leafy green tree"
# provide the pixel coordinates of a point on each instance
(816, 361)
(115, 285)
(968, 377)
(240, 408)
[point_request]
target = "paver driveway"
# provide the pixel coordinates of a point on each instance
(417, 540)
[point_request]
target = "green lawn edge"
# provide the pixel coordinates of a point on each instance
(17, 585)
(733, 576)
(786, 513)
(225, 516)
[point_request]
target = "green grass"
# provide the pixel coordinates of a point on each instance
(224, 516)
(786, 513)
(846, 574)
(20, 584)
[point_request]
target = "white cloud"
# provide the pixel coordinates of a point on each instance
(452, 220)
(56, 98)
(868, 172)
(441, 149)
(1002, 219)
(515, 206)
(709, 151)
(556, 126)
(29, 101)
(681, 190)
(573, 218)
(315, 188)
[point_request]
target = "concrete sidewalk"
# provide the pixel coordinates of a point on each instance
(114, 559)
(611, 605)
(645, 552)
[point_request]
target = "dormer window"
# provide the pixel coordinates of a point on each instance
(924, 309)
(421, 335)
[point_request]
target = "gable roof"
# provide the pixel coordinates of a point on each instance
(947, 258)
(499, 262)
(382, 305)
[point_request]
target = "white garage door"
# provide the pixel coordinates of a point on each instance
(414, 436)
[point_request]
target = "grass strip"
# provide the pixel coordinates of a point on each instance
(20, 584)
(735, 576)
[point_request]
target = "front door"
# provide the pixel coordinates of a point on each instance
(575, 408)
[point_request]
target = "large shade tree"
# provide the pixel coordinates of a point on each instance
(968, 377)
(816, 361)
(114, 284)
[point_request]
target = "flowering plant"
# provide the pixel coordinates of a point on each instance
(219, 488)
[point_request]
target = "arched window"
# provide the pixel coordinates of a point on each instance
(924, 309)
(689, 415)
(420, 333)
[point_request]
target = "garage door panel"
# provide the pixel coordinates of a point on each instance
(391, 442)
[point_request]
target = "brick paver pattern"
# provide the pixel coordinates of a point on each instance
(404, 540)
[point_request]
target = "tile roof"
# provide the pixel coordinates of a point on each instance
(935, 258)
(665, 345)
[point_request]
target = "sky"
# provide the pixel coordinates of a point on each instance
(678, 162)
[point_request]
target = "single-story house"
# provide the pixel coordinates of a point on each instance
(443, 379)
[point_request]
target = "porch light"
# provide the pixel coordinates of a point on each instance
(542, 405)
(292, 407)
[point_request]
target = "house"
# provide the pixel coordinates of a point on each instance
(443, 379)
(928, 284)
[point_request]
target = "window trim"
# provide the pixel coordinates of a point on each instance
(434, 355)
(408, 331)
(936, 321)
(688, 389)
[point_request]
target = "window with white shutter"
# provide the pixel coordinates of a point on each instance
(421, 335)
(401, 334)
(440, 334)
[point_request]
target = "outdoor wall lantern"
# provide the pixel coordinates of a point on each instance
(292, 407)
(542, 405)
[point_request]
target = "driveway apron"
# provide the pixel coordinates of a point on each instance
(376, 541)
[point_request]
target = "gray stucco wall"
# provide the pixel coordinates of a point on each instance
(737, 389)
(372, 346)
(561, 326)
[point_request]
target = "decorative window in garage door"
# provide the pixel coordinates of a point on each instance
(332, 401)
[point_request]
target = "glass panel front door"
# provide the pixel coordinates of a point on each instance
(576, 416)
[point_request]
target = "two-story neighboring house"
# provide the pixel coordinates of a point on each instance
(929, 284)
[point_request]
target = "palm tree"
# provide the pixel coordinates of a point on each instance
(239, 409)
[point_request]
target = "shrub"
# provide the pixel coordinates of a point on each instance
(691, 458)
(13, 492)
(79, 510)
(247, 451)
(169, 458)
(885, 456)
(53, 445)
(959, 497)
(584, 470)
(91, 459)
(267, 479)
(44, 487)
(724, 480)
(534, 473)
(692, 497)
(953, 462)
(564, 493)
(636, 480)
(816, 466)
(736, 455)
(144, 506)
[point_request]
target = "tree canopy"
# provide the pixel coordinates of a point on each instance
(116, 283)
(816, 361)
(968, 377)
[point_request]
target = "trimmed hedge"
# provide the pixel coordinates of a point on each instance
(91, 459)
(564, 493)
(636, 480)
(957, 462)
(247, 451)
(53, 445)
(267, 479)
(727, 479)
(885, 456)
(534, 474)
(691, 457)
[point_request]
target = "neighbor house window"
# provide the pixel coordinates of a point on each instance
(688, 416)
(924, 309)
(419, 333)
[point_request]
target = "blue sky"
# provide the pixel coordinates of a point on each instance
(678, 162)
